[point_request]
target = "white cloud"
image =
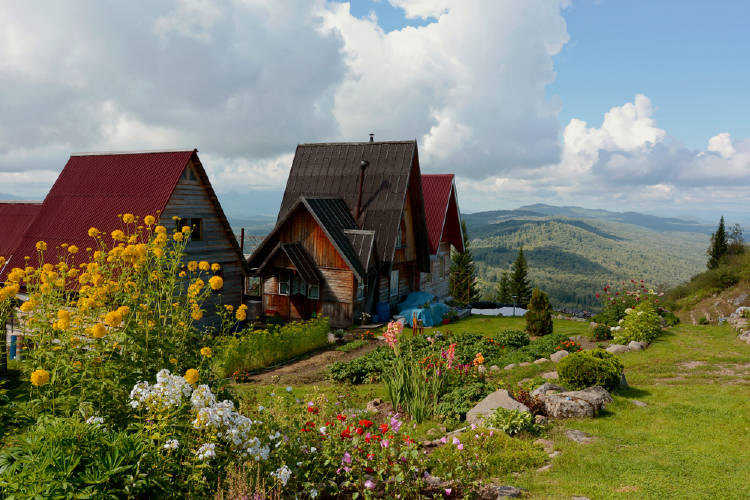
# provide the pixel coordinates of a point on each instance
(423, 8)
(722, 144)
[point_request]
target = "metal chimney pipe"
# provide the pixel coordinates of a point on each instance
(372, 137)
(242, 240)
(362, 166)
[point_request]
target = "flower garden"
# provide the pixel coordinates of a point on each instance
(126, 390)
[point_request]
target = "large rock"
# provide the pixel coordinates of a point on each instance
(547, 387)
(510, 366)
(576, 404)
(557, 356)
(498, 399)
(550, 375)
(637, 346)
(541, 361)
(617, 348)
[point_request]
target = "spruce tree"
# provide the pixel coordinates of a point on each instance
(503, 289)
(719, 246)
(463, 279)
(519, 281)
(538, 317)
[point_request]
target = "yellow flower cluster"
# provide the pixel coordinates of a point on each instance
(206, 352)
(40, 378)
(241, 313)
(191, 376)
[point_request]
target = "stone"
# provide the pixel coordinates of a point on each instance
(577, 338)
(547, 387)
(638, 403)
(576, 404)
(494, 368)
(525, 363)
(540, 419)
(379, 337)
(508, 492)
(541, 361)
(331, 338)
(744, 335)
(555, 357)
(510, 366)
(432, 432)
(637, 346)
(498, 399)
(740, 299)
(550, 375)
(544, 468)
(617, 348)
(555, 453)
(547, 444)
(372, 406)
(579, 436)
(481, 369)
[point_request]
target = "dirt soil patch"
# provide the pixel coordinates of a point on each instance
(311, 369)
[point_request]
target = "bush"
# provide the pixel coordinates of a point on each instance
(455, 403)
(255, 349)
(512, 422)
(642, 324)
(601, 332)
(702, 320)
(669, 317)
(512, 338)
(589, 368)
(538, 317)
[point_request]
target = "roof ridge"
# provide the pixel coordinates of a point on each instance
(134, 152)
(359, 231)
(410, 141)
(21, 202)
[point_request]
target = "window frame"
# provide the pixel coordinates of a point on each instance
(193, 232)
(284, 280)
(392, 292)
(310, 294)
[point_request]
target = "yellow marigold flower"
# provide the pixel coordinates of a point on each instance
(77, 365)
(175, 217)
(27, 306)
(204, 266)
(149, 220)
(241, 314)
(118, 235)
(63, 314)
(48, 267)
(182, 274)
(123, 310)
(173, 361)
(192, 266)
(161, 229)
(229, 307)
(158, 252)
(45, 288)
(2, 261)
(206, 352)
(196, 314)
(215, 267)
(98, 331)
(128, 218)
(41, 246)
(216, 282)
(73, 249)
(199, 283)
(177, 236)
(133, 239)
(93, 232)
(113, 318)
(39, 377)
(191, 376)
(59, 283)
(73, 273)
(186, 229)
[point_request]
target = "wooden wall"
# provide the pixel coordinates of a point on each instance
(191, 199)
(434, 282)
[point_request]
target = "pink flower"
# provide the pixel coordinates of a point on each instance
(456, 440)
(395, 423)
(369, 484)
(384, 443)
(460, 446)
(347, 458)
(443, 440)
(448, 491)
(473, 426)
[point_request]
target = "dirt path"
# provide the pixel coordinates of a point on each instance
(311, 369)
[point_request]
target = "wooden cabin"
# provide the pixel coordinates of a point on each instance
(94, 188)
(351, 232)
(444, 231)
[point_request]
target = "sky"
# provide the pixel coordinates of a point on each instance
(622, 105)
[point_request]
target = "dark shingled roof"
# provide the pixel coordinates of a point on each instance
(363, 243)
(302, 261)
(332, 170)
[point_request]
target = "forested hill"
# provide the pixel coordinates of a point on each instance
(572, 252)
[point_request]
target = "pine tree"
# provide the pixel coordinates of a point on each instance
(463, 279)
(718, 247)
(519, 281)
(538, 317)
(503, 289)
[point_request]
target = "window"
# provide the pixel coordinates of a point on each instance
(299, 287)
(196, 226)
(401, 235)
(361, 290)
(394, 283)
(253, 286)
(284, 284)
(313, 292)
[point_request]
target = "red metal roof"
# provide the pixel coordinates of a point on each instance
(15, 217)
(93, 189)
(441, 208)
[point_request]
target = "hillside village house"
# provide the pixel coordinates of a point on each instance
(94, 188)
(444, 231)
(15, 218)
(351, 232)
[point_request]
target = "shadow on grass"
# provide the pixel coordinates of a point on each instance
(632, 392)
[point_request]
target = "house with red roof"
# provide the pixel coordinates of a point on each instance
(15, 218)
(443, 230)
(350, 236)
(94, 188)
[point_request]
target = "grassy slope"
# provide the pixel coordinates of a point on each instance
(692, 441)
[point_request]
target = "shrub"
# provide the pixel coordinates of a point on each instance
(255, 349)
(601, 332)
(352, 346)
(669, 317)
(455, 403)
(512, 422)
(589, 368)
(512, 338)
(702, 320)
(642, 324)
(538, 317)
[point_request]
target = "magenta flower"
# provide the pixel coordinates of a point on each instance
(443, 440)
(395, 423)
(460, 446)
(384, 443)
(347, 458)
(448, 491)
(369, 484)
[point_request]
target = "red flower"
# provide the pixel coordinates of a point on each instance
(359, 430)
(346, 433)
(383, 428)
(312, 409)
(369, 470)
(365, 423)
(340, 417)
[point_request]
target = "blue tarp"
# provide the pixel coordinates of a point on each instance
(424, 306)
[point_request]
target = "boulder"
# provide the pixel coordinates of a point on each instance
(548, 445)
(524, 363)
(557, 356)
(541, 361)
(576, 404)
(481, 368)
(740, 299)
(510, 366)
(547, 387)
(637, 346)
(550, 376)
(540, 420)
(494, 368)
(331, 338)
(508, 492)
(617, 348)
(744, 335)
(638, 403)
(597, 395)
(498, 399)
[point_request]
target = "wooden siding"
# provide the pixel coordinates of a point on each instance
(302, 228)
(190, 199)
(433, 282)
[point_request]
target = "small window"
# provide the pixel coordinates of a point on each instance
(394, 283)
(284, 284)
(299, 287)
(361, 291)
(313, 292)
(253, 286)
(196, 226)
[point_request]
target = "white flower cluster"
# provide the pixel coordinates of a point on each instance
(95, 421)
(206, 451)
(171, 444)
(166, 393)
(202, 397)
(283, 474)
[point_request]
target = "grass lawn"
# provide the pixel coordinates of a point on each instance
(491, 325)
(691, 441)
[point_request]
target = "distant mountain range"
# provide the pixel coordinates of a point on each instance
(572, 252)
